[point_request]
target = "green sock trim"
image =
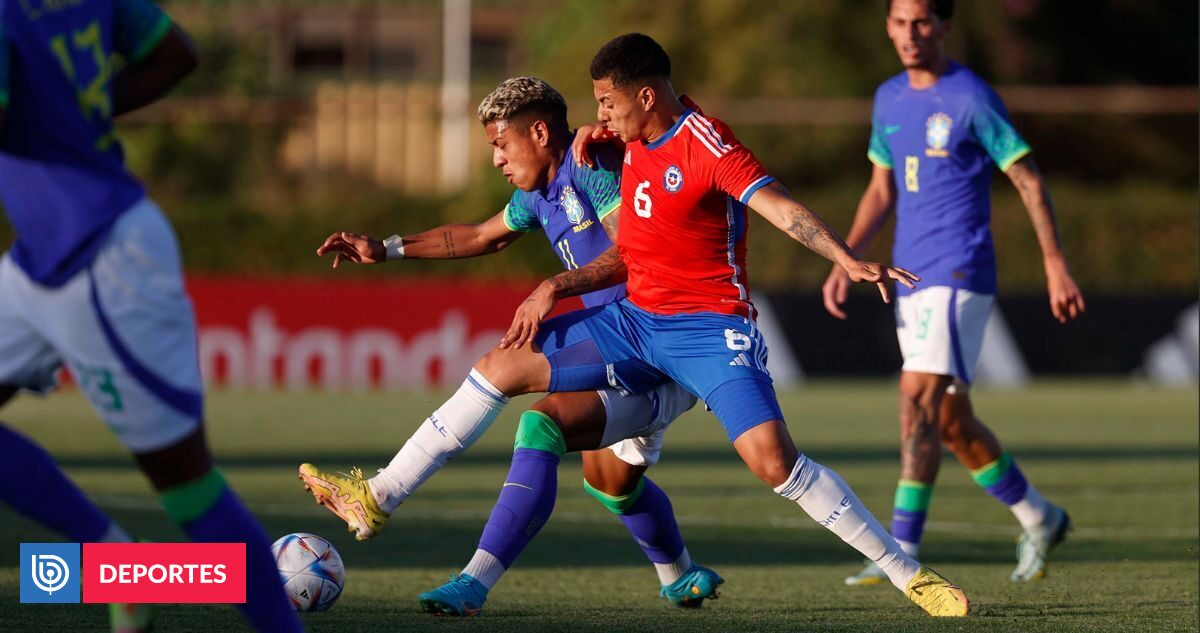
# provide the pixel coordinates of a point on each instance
(913, 496)
(993, 472)
(616, 505)
(538, 431)
(190, 501)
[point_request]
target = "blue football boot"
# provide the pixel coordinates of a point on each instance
(462, 597)
(690, 591)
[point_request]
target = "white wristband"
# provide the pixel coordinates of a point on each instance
(394, 247)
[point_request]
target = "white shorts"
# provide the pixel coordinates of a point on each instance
(941, 330)
(123, 327)
(636, 424)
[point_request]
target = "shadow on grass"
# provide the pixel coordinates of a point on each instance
(483, 456)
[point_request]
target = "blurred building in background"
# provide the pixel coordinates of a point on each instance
(309, 117)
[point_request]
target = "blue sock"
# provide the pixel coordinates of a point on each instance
(524, 506)
(211, 513)
(651, 521)
(57, 503)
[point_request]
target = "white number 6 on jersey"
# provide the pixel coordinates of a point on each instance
(736, 341)
(641, 200)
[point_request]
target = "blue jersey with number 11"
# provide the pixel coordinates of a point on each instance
(570, 210)
(62, 171)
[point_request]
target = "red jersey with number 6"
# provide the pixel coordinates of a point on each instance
(682, 230)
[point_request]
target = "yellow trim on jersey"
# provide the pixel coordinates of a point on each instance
(612, 206)
(1016, 156)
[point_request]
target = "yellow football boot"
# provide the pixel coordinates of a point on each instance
(936, 595)
(349, 497)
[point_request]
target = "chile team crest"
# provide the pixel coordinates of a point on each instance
(571, 205)
(673, 179)
(937, 135)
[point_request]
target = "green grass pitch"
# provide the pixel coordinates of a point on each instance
(1121, 458)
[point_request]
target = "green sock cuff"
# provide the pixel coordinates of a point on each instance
(993, 472)
(616, 505)
(538, 431)
(913, 496)
(190, 501)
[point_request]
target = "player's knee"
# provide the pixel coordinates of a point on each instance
(511, 371)
(617, 504)
(538, 431)
(774, 472)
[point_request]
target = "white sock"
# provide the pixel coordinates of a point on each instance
(115, 534)
(830, 502)
(451, 429)
(1032, 510)
(485, 568)
(909, 548)
(670, 572)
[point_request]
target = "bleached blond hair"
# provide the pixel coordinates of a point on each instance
(517, 96)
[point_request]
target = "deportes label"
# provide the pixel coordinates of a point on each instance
(164, 572)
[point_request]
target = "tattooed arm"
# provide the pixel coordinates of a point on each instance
(451, 241)
(604, 271)
(1066, 302)
(774, 203)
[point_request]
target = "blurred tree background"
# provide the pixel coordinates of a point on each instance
(794, 78)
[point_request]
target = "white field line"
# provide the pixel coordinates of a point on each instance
(302, 509)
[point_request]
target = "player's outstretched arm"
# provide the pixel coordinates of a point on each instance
(1066, 302)
(604, 271)
(876, 205)
(450, 241)
(148, 79)
(774, 203)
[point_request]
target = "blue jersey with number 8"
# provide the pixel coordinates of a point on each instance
(940, 143)
(62, 171)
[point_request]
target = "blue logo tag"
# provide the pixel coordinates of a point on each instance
(50, 572)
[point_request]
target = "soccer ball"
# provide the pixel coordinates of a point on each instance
(311, 569)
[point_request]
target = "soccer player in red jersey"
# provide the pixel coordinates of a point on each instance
(687, 316)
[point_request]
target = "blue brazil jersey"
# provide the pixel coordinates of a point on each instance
(940, 144)
(62, 171)
(570, 209)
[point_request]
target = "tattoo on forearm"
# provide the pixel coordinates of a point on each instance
(604, 271)
(610, 225)
(448, 243)
(810, 230)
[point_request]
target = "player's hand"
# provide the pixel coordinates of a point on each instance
(584, 136)
(528, 317)
(352, 247)
(834, 292)
(1066, 302)
(881, 276)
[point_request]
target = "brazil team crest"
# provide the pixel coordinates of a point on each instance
(673, 179)
(937, 135)
(570, 204)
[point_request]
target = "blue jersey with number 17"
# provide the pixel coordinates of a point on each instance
(570, 209)
(62, 171)
(940, 143)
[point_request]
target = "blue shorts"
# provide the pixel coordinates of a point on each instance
(720, 358)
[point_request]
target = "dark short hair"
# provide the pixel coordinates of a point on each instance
(944, 9)
(630, 58)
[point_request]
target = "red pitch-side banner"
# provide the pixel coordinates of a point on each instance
(147, 573)
(348, 334)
